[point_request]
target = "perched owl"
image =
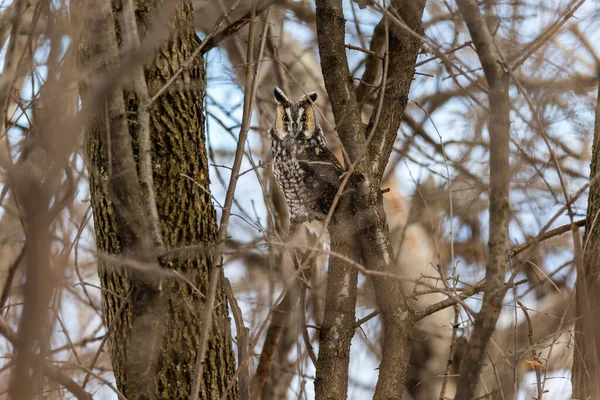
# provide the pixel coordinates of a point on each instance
(305, 169)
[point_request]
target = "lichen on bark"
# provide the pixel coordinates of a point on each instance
(187, 216)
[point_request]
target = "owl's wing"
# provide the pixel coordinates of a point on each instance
(323, 176)
(323, 166)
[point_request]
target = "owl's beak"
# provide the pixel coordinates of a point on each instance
(295, 129)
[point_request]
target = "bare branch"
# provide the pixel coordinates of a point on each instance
(338, 81)
(372, 62)
(403, 51)
(50, 370)
(585, 378)
(243, 345)
(499, 128)
(281, 314)
(251, 85)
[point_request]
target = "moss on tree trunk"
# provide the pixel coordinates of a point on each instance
(187, 216)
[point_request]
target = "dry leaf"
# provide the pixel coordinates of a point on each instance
(534, 364)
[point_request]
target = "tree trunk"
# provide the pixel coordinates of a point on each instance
(586, 358)
(172, 309)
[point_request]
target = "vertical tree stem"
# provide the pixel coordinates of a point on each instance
(499, 131)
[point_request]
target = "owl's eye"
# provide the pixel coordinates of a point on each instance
(304, 118)
(285, 118)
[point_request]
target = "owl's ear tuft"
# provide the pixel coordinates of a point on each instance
(310, 98)
(280, 97)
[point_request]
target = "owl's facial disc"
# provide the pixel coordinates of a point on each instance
(294, 119)
(281, 122)
(304, 125)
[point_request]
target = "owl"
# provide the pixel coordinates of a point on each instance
(305, 169)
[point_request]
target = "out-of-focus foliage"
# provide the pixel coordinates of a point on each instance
(438, 175)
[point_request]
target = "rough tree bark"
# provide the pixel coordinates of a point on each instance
(369, 150)
(340, 301)
(339, 320)
(157, 330)
(586, 363)
(404, 19)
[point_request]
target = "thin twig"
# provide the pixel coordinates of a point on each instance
(536, 361)
(49, 370)
(542, 236)
(212, 40)
(242, 344)
(543, 38)
(369, 52)
(249, 94)
(12, 269)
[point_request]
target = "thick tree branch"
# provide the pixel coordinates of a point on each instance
(376, 247)
(499, 129)
(403, 52)
(338, 81)
(131, 203)
(372, 63)
(340, 306)
(585, 378)
(126, 191)
(34, 199)
(375, 244)
(339, 319)
(281, 315)
(145, 150)
(36, 192)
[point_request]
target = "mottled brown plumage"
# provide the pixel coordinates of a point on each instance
(305, 169)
